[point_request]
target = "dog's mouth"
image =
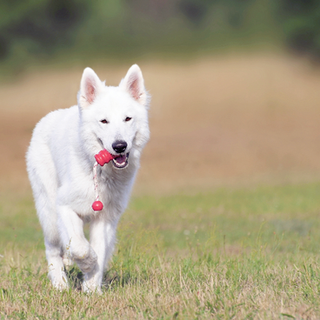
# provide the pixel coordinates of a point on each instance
(121, 161)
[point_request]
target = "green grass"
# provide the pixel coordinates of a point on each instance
(225, 254)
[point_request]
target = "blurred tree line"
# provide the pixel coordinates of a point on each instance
(301, 24)
(45, 28)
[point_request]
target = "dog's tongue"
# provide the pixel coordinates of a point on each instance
(120, 159)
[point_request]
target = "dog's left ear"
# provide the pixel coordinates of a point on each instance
(133, 83)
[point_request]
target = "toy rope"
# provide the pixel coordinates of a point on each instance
(95, 182)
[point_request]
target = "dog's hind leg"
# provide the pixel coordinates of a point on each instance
(48, 219)
(44, 186)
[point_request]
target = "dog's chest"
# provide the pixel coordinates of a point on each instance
(112, 190)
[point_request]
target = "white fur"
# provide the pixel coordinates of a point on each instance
(60, 161)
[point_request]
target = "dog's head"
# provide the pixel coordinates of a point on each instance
(116, 118)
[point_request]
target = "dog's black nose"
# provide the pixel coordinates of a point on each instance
(119, 146)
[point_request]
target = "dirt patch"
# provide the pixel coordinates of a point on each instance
(214, 121)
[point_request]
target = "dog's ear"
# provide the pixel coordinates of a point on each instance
(133, 83)
(90, 86)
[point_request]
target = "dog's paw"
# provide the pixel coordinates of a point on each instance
(59, 280)
(91, 287)
(87, 261)
(61, 285)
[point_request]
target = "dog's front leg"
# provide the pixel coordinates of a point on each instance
(75, 244)
(102, 239)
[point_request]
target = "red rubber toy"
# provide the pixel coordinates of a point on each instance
(97, 206)
(103, 157)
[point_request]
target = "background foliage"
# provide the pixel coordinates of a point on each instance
(301, 22)
(34, 29)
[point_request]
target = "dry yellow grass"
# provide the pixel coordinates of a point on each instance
(233, 119)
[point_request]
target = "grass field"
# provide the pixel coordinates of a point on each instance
(231, 253)
(224, 219)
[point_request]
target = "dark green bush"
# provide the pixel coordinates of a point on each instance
(301, 24)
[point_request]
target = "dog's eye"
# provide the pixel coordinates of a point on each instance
(127, 119)
(104, 121)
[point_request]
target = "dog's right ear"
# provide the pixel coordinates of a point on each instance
(90, 86)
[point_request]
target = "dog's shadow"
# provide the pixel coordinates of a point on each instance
(111, 279)
(75, 277)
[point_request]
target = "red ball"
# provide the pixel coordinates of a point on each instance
(97, 206)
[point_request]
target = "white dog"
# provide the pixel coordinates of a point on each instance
(66, 181)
